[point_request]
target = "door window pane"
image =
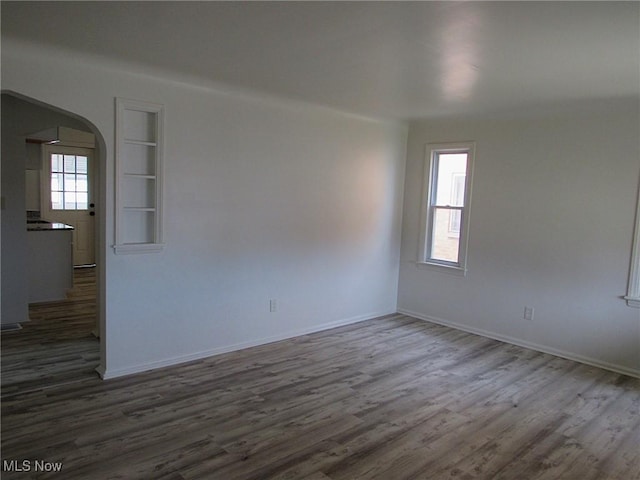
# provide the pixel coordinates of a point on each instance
(81, 183)
(69, 163)
(69, 200)
(56, 182)
(81, 164)
(56, 200)
(56, 163)
(81, 201)
(69, 182)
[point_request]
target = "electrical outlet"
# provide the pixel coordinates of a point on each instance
(528, 313)
(273, 305)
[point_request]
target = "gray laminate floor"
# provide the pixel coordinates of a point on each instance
(390, 398)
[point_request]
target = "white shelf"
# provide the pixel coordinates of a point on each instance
(139, 130)
(129, 248)
(144, 143)
(139, 175)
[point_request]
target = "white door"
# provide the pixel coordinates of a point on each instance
(67, 196)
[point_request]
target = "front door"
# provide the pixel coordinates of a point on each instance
(67, 196)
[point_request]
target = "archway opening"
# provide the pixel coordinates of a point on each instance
(21, 177)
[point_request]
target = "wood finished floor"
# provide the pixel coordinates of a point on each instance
(57, 345)
(391, 398)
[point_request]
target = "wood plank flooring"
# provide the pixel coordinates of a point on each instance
(57, 346)
(391, 398)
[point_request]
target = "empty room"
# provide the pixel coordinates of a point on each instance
(320, 240)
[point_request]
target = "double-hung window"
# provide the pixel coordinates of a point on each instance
(447, 194)
(633, 294)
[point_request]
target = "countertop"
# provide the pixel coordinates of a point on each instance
(43, 225)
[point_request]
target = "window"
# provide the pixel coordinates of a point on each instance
(633, 293)
(69, 182)
(447, 193)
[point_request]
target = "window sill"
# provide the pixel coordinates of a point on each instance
(633, 301)
(439, 267)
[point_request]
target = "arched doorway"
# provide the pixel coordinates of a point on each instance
(22, 116)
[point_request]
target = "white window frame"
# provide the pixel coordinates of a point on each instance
(428, 207)
(633, 292)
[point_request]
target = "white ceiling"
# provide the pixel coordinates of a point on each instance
(388, 59)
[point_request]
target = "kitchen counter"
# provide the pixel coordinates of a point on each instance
(50, 262)
(43, 225)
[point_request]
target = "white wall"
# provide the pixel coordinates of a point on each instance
(551, 227)
(264, 200)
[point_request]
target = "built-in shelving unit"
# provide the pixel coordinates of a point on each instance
(139, 132)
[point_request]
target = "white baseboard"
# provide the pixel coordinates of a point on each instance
(10, 327)
(107, 374)
(522, 343)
